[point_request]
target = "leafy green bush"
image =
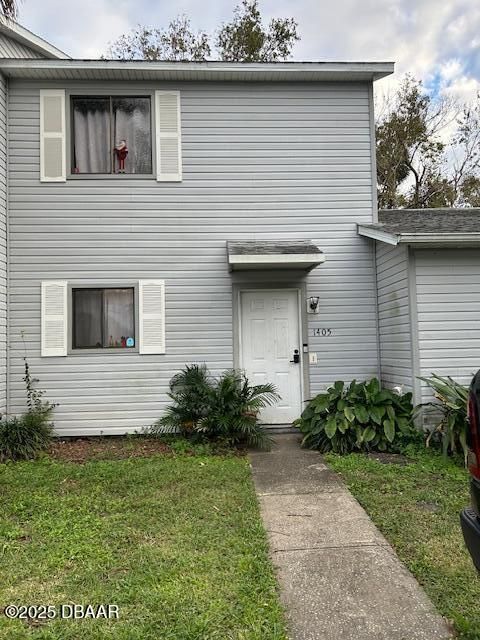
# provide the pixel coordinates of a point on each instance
(224, 408)
(451, 428)
(25, 436)
(360, 416)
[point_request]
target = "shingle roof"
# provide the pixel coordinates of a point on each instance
(430, 220)
(268, 254)
(269, 247)
(424, 225)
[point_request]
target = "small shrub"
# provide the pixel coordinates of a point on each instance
(361, 416)
(24, 437)
(452, 398)
(191, 391)
(223, 409)
(234, 408)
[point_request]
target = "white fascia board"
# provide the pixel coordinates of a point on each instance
(284, 71)
(15, 31)
(378, 234)
(444, 238)
(277, 258)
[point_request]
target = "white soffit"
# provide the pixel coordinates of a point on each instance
(187, 71)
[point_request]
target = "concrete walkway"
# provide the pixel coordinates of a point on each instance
(339, 577)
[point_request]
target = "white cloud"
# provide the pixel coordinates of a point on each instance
(434, 41)
(81, 29)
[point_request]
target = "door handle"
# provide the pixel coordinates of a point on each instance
(296, 356)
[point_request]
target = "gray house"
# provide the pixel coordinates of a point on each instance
(154, 214)
(428, 282)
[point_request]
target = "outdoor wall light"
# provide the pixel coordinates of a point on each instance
(313, 304)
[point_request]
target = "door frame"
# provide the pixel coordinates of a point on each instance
(300, 290)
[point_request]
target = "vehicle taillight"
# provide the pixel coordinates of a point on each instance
(473, 439)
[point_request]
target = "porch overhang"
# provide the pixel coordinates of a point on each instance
(295, 254)
(425, 227)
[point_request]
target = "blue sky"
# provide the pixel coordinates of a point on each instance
(438, 42)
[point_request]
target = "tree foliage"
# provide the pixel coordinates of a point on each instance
(9, 8)
(419, 164)
(247, 39)
(244, 39)
(177, 43)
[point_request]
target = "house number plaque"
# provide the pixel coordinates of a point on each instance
(323, 332)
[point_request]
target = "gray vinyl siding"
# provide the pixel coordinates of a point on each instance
(448, 306)
(10, 48)
(394, 315)
(260, 162)
(3, 244)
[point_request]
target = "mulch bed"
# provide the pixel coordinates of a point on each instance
(109, 448)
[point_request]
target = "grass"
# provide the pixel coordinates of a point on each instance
(175, 541)
(417, 507)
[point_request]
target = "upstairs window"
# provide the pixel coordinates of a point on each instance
(111, 135)
(103, 318)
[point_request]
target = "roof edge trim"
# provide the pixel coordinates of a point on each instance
(301, 70)
(15, 31)
(378, 234)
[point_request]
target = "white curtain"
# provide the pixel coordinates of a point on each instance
(93, 146)
(132, 124)
(103, 317)
(91, 124)
(118, 316)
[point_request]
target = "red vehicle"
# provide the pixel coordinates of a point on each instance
(470, 517)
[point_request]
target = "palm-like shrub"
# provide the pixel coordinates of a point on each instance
(452, 403)
(233, 414)
(191, 391)
(224, 408)
(360, 416)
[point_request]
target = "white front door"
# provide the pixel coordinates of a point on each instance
(269, 337)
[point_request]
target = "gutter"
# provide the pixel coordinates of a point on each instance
(394, 239)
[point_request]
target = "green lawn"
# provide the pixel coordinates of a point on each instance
(175, 541)
(417, 508)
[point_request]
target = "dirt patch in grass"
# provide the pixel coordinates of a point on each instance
(389, 458)
(111, 448)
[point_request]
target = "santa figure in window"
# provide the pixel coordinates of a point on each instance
(121, 151)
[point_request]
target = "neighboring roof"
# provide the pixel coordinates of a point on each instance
(423, 226)
(208, 70)
(271, 254)
(15, 31)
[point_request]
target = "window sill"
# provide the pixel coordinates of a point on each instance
(111, 176)
(106, 351)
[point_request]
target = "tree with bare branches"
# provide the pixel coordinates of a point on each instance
(177, 42)
(419, 163)
(244, 39)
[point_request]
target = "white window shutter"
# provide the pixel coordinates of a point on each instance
(151, 302)
(54, 318)
(52, 135)
(168, 136)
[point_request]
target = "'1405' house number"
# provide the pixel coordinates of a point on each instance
(324, 333)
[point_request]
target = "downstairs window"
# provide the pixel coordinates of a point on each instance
(103, 318)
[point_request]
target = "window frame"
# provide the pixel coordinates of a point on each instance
(112, 93)
(73, 350)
